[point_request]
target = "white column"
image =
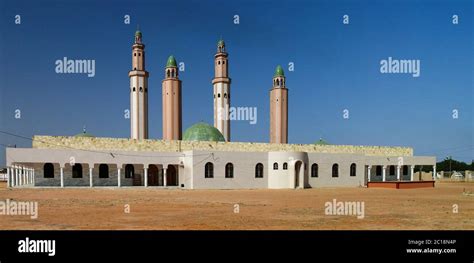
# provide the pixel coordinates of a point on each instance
(164, 176)
(383, 173)
(368, 172)
(90, 176)
(28, 177)
(145, 176)
(398, 172)
(61, 169)
(118, 177)
(434, 172)
(412, 168)
(22, 174)
(8, 178)
(13, 171)
(17, 175)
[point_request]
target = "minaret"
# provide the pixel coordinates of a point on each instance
(279, 108)
(138, 91)
(172, 123)
(221, 85)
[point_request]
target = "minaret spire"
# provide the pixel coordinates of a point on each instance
(138, 90)
(279, 108)
(221, 90)
(171, 97)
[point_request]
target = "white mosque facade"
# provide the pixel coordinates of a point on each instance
(204, 157)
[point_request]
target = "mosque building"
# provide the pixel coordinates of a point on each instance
(203, 157)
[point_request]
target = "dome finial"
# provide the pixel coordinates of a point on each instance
(138, 34)
(279, 72)
(221, 45)
(171, 62)
(84, 129)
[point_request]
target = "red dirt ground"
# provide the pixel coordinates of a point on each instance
(151, 208)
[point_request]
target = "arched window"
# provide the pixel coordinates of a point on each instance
(378, 170)
(314, 170)
(278, 82)
(209, 170)
(229, 170)
(353, 169)
(225, 95)
(77, 170)
(223, 62)
(134, 54)
(218, 95)
(405, 170)
(335, 170)
(133, 89)
(168, 73)
(134, 68)
(259, 170)
(392, 170)
(275, 166)
(129, 171)
(139, 54)
(141, 89)
(48, 170)
(103, 171)
(285, 166)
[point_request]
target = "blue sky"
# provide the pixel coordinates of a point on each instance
(337, 67)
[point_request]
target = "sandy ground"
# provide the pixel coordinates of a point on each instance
(151, 208)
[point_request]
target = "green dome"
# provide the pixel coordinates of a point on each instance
(321, 142)
(279, 72)
(221, 43)
(138, 33)
(171, 62)
(203, 132)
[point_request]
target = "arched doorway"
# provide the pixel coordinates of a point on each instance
(153, 175)
(171, 176)
(299, 174)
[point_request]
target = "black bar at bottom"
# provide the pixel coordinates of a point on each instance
(156, 246)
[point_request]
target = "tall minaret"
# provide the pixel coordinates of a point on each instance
(138, 91)
(221, 84)
(172, 123)
(279, 108)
